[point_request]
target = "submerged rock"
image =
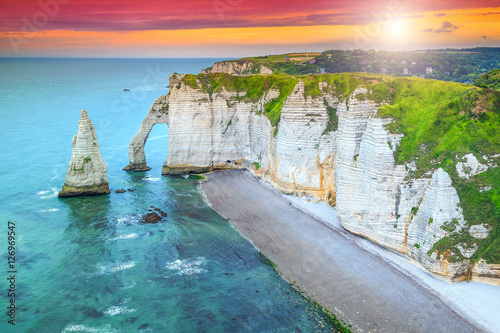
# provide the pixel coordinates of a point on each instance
(120, 191)
(151, 218)
(87, 172)
(155, 215)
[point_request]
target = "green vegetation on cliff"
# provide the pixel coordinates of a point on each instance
(490, 80)
(438, 132)
(458, 65)
(248, 88)
(441, 122)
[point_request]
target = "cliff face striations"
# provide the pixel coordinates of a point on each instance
(157, 115)
(239, 67)
(342, 139)
(87, 172)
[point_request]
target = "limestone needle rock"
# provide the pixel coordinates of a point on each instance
(87, 172)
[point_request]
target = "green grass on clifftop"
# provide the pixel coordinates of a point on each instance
(489, 80)
(442, 122)
(248, 88)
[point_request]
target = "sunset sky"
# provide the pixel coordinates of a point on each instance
(235, 28)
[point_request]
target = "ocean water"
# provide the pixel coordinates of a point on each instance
(86, 264)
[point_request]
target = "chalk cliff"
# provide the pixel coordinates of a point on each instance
(329, 142)
(87, 172)
(240, 67)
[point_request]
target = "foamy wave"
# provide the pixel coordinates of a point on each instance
(83, 328)
(127, 220)
(128, 236)
(122, 267)
(185, 176)
(103, 269)
(129, 285)
(187, 266)
(51, 195)
(151, 179)
(49, 210)
(114, 310)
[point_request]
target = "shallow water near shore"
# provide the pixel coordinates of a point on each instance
(86, 264)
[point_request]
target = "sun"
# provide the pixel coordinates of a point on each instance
(396, 28)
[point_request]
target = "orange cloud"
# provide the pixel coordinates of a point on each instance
(472, 27)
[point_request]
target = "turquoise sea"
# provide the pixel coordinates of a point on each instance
(85, 264)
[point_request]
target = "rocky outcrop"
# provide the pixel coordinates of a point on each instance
(470, 167)
(87, 172)
(157, 115)
(230, 67)
(240, 67)
(327, 146)
(265, 70)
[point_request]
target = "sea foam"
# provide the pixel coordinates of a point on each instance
(53, 194)
(127, 236)
(114, 310)
(187, 266)
(83, 328)
(51, 210)
(121, 267)
(151, 179)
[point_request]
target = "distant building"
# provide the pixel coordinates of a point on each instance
(312, 61)
(413, 63)
(383, 70)
(403, 62)
(285, 58)
(428, 70)
(406, 71)
(322, 71)
(364, 62)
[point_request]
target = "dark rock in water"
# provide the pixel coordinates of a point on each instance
(126, 89)
(93, 313)
(129, 320)
(143, 326)
(120, 191)
(151, 218)
(162, 213)
(131, 190)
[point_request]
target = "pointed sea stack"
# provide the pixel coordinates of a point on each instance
(87, 172)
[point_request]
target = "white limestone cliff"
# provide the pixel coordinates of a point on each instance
(351, 166)
(230, 67)
(240, 67)
(87, 172)
(157, 115)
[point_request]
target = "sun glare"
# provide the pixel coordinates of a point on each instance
(396, 29)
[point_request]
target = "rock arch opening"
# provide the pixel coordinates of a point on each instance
(158, 114)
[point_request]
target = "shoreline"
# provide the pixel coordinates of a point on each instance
(363, 284)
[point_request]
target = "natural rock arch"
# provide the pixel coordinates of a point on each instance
(158, 114)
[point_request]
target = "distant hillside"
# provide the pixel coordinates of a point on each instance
(489, 80)
(464, 65)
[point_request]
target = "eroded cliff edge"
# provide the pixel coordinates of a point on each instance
(405, 167)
